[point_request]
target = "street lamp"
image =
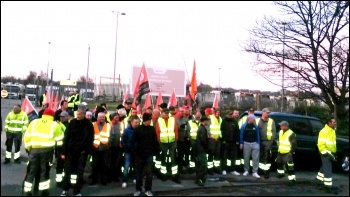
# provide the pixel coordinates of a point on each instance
(48, 65)
(284, 37)
(87, 73)
(219, 80)
(298, 72)
(115, 52)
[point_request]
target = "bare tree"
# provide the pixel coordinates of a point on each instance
(312, 47)
(83, 79)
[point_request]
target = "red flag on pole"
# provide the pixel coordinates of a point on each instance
(216, 102)
(28, 108)
(141, 87)
(55, 103)
(148, 101)
(47, 97)
(172, 100)
(159, 100)
(193, 91)
(126, 97)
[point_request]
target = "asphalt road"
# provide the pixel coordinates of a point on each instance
(217, 185)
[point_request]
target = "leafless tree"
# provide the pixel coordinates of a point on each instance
(311, 44)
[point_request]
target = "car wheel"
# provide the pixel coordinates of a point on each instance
(345, 163)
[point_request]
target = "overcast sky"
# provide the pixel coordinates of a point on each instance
(159, 34)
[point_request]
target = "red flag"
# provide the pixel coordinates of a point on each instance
(141, 87)
(55, 103)
(193, 91)
(148, 101)
(47, 97)
(159, 100)
(51, 98)
(172, 100)
(126, 97)
(216, 102)
(27, 106)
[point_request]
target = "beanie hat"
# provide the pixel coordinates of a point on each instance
(49, 112)
(208, 110)
(146, 117)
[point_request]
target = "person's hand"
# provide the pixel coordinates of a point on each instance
(333, 158)
(63, 157)
(241, 146)
(224, 142)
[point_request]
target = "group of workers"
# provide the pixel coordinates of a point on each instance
(162, 141)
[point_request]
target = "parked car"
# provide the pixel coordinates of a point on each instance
(307, 129)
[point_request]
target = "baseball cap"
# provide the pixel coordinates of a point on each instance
(265, 110)
(64, 114)
(284, 123)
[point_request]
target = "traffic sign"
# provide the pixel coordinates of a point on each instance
(4, 93)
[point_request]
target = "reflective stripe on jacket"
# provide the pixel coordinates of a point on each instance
(215, 126)
(167, 132)
(43, 133)
(16, 122)
(269, 127)
(194, 128)
(327, 140)
(103, 135)
(284, 145)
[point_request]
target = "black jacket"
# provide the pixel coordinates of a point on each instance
(230, 130)
(145, 141)
(202, 140)
(79, 137)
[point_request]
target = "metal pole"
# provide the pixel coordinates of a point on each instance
(48, 65)
(284, 36)
(219, 80)
(51, 87)
(298, 74)
(87, 73)
(115, 53)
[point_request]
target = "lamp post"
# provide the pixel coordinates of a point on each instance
(115, 52)
(48, 65)
(284, 37)
(219, 80)
(87, 73)
(298, 73)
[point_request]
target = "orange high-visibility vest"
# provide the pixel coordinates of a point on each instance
(101, 137)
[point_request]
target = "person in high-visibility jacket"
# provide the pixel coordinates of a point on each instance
(39, 140)
(102, 131)
(215, 147)
(167, 135)
(16, 124)
(286, 149)
(77, 100)
(194, 124)
(267, 136)
(327, 146)
(71, 100)
(58, 149)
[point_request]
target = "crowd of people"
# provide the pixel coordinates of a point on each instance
(129, 146)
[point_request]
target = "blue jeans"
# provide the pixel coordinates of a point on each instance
(128, 166)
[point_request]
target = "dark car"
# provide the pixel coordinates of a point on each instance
(306, 129)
